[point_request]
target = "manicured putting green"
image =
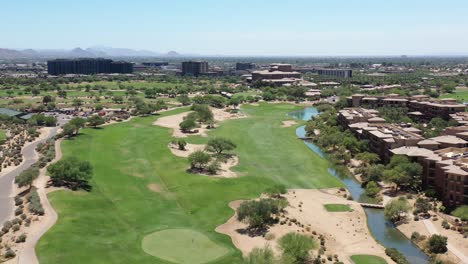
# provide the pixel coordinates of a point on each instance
(337, 207)
(367, 259)
(182, 246)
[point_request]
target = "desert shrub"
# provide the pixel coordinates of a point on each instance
(276, 190)
(21, 238)
(297, 246)
(18, 200)
(6, 226)
(35, 205)
(213, 167)
(261, 256)
(259, 213)
(270, 236)
(445, 224)
(415, 236)
(396, 256)
(18, 211)
(10, 254)
(437, 244)
(15, 228)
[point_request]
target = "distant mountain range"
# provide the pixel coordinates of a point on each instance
(93, 52)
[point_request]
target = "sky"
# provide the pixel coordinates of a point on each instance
(241, 27)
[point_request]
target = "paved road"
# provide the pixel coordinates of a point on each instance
(432, 230)
(6, 181)
(29, 158)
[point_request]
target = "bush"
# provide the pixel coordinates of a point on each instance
(35, 205)
(213, 167)
(297, 246)
(21, 238)
(10, 254)
(198, 160)
(18, 200)
(181, 143)
(259, 213)
(276, 190)
(16, 228)
(261, 256)
(18, 211)
(437, 244)
(445, 224)
(396, 256)
(71, 172)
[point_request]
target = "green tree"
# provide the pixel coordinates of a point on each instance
(396, 209)
(297, 246)
(27, 177)
(218, 145)
(368, 158)
(184, 99)
(372, 189)
(259, 213)
(95, 120)
(187, 125)
(198, 160)
(422, 205)
(71, 172)
(437, 244)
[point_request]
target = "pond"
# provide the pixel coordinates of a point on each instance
(384, 231)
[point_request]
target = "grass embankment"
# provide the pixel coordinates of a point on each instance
(337, 207)
(461, 212)
(367, 259)
(2, 136)
(108, 224)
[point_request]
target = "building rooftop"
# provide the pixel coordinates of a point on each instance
(449, 140)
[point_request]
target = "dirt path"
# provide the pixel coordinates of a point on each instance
(27, 253)
(432, 230)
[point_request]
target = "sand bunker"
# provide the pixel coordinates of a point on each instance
(225, 171)
(289, 123)
(189, 149)
(346, 233)
(173, 121)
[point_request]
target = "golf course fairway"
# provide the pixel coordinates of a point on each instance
(110, 223)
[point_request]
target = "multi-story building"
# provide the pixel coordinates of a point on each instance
(349, 116)
(87, 66)
(444, 170)
(194, 68)
(155, 64)
(278, 74)
(420, 107)
(385, 137)
(338, 73)
(244, 66)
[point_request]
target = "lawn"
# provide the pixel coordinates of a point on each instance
(108, 224)
(367, 259)
(337, 207)
(461, 212)
(460, 94)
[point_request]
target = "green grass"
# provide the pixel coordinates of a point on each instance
(2, 136)
(182, 246)
(367, 259)
(108, 224)
(460, 94)
(337, 207)
(461, 212)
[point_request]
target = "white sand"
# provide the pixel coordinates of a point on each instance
(173, 121)
(288, 123)
(346, 233)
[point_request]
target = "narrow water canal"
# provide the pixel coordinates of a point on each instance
(383, 230)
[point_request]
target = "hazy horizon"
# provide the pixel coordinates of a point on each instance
(243, 28)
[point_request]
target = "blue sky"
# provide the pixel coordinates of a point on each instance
(242, 27)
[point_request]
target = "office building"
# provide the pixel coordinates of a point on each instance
(87, 66)
(194, 68)
(244, 66)
(338, 73)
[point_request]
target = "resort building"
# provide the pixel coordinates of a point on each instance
(349, 116)
(338, 73)
(278, 74)
(444, 170)
(419, 107)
